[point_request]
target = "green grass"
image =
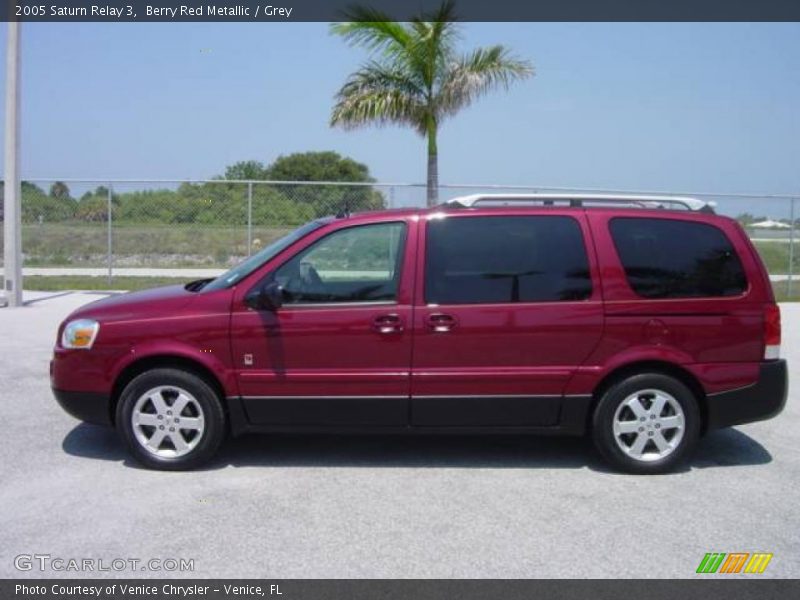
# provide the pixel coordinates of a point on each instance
(776, 256)
(86, 244)
(44, 283)
(781, 287)
(81, 282)
(83, 244)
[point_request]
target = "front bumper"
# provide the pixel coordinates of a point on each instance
(762, 400)
(86, 406)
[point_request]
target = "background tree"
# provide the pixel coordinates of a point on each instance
(246, 169)
(39, 207)
(326, 166)
(415, 76)
(317, 166)
(93, 206)
(221, 203)
(59, 190)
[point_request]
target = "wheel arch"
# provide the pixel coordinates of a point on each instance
(165, 361)
(651, 366)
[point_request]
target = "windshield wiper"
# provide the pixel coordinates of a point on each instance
(196, 286)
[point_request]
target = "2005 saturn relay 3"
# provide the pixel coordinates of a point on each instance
(640, 320)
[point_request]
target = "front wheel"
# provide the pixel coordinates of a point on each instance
(170, 419)
(646, 424)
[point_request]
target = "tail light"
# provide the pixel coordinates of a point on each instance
(772, 332)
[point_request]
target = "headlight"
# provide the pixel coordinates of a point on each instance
(80, 334)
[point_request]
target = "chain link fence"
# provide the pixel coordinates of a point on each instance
(112, 231)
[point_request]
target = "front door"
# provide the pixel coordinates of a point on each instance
(338, 352)
(509, 307)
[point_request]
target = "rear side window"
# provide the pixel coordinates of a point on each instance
(667, 258)
(473, 260)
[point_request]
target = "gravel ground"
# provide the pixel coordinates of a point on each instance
(324, 506)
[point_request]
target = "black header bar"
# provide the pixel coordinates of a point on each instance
(400, 10)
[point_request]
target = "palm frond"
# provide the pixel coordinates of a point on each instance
(435, 37)
(416, 78)
(473, 75)
(382, 95)
(444, 30)
(373, 30)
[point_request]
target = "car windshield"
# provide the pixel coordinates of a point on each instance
(246, 267)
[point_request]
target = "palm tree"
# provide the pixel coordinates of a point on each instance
(59, 190)
(415, 77)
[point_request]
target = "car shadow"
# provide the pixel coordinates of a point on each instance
(722, 448)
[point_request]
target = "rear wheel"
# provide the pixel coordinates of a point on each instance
(646, 423)
(170, 419)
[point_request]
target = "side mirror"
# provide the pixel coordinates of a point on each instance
(266, 297)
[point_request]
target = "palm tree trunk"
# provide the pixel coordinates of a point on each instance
(433, 165)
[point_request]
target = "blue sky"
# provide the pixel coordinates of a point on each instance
(698, 107)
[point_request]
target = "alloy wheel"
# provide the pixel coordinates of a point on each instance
(649, 425)
(168, 421)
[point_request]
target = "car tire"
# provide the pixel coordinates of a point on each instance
(646, 423)
(170, 419)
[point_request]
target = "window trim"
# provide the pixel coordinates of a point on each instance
(745, 291)
(399, 269)
(582, 232)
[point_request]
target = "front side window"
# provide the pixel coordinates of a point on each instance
(670, 258)
(357, 264)
(476, 260)
(249, 265)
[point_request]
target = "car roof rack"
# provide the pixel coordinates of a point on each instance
(639, 201)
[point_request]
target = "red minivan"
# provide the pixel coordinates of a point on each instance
(643, 321)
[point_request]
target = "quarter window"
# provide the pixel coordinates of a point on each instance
(357, 264)
(670, 258)
(474, 260)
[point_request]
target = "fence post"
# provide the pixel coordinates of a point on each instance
(249, 217)
(109, 259)
(791, 251)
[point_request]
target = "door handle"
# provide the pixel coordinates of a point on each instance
(387, 324)
(441, 323)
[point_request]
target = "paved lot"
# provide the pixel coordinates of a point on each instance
(319, 506)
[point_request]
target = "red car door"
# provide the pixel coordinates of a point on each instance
(509, 305)
(338, 351)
